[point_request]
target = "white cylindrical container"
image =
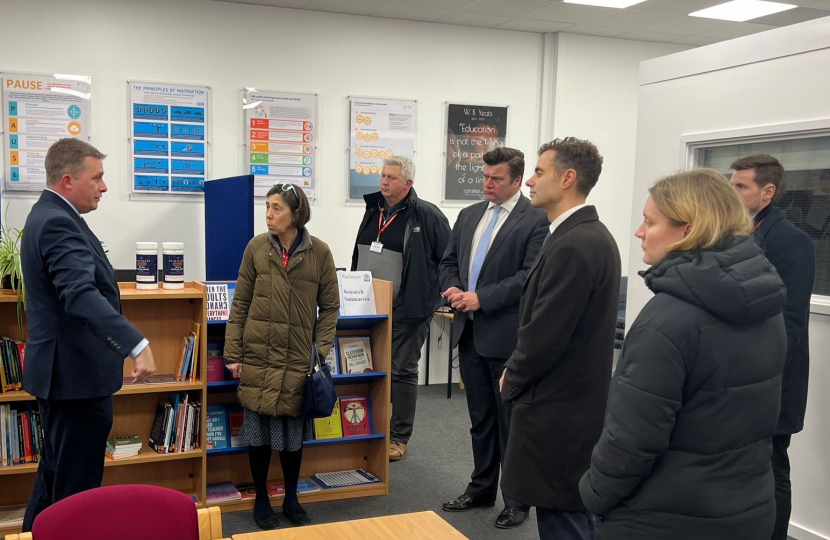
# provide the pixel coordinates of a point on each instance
(173, 257)
(146, 265)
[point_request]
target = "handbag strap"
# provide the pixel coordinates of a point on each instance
(315, 358)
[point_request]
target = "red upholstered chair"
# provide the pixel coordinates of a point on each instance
(124, 512)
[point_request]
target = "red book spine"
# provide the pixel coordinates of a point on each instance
(21, 353)
(27, 438)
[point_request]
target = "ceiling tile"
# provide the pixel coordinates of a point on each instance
(530, 25)
(276, 3)
(589, 30)
(473, 19)
(736, 30)
(571, 13)
(631, 19)
(792, 16)
(696, 41)
(354, 7)
(686, 25)
(447, 5)
(678, 7)
(648, 35)
(513, 8)
(393, 11)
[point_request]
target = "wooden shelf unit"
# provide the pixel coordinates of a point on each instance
(165, 318)
(371, 454)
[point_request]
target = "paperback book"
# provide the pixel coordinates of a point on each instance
(356, 353)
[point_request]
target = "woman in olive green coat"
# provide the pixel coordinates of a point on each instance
(285, 276)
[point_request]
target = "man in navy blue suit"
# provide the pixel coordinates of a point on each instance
(78, 338)
(759, 180)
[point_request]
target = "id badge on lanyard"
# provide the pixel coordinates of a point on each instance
(377, 245)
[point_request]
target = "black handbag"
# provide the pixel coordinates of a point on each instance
(319, 396)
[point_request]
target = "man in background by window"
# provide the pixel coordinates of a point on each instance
(759, 180)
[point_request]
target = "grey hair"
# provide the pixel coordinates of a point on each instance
(68, 156)
(406, 165)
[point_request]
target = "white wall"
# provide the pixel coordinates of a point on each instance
(777, 77)
(596, 98)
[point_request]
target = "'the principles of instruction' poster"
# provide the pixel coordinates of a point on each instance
(169, 127)
(40, 110)
(281, 136)
(378, 128)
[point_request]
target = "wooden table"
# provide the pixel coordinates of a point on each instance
(418, 526)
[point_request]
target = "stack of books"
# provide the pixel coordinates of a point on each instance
(224, 491)
(123, 446)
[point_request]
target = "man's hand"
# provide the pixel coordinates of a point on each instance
(465, 301)
(451, 292)
(235, 369)
(144, 365)
(501, 381)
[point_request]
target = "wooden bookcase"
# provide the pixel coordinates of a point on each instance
(164, 317)
(370, 453)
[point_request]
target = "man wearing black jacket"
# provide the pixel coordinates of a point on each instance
(759, 180)
(402, 239)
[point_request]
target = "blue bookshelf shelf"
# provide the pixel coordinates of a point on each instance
(361, 322)
(322, 442)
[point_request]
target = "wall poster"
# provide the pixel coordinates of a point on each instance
(378, 128)
(39, 110)
(169, 145)
(281, 138)
(472, 131)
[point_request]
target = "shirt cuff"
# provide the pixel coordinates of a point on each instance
(138, 348)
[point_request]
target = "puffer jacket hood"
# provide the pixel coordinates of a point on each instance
(734, 282)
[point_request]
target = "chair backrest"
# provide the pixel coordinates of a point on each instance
(124, 512)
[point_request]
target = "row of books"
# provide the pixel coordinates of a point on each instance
(224, 427)
(176, 424)
(12, 360)
(351, 355)
(190, 355)
(21, 434)
(228, 491)
(350, 418)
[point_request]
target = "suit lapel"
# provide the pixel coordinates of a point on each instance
(466, 251)
(90, 236)
(512, 219)
(583, 215)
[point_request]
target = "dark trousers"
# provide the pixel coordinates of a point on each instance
(783, 494)
(407, 340)
(556, 525)
(75, 435)
(488, 417)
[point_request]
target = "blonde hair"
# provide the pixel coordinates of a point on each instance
(704, 199)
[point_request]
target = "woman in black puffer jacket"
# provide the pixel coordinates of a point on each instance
(685, 451)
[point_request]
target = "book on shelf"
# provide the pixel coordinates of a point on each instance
(356, 354)
(123, 446)
(188, 365)
(357, 293)
(356, 419)
(353, 477)
(12, 361)
(217, 427)
(247, 491)
(12, 515)
(163, 378)
(333, 359)
(330, 426)
(215, 362)
(276, 488)
(21, 434)
(223, 491)
(176, 424)
(218, 302)
(235, 416)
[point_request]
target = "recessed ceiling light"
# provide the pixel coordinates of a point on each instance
(742, 10)
(606, 3)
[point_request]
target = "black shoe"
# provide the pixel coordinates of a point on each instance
(511, 517)
(268, 523)
(297, 518)
(462, 503)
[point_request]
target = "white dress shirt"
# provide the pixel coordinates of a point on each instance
(506, 208)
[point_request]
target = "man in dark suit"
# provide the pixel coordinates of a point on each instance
(759, 180)
(78, 338)
(493, 245)
(558, 377)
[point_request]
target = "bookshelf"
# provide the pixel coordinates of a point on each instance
(164, 317)
(368, 452)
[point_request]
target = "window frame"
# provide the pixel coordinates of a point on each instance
(690, 143)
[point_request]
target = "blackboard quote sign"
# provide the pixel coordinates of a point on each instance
(472, 131)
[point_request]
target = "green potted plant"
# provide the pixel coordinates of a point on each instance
(11, 268)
